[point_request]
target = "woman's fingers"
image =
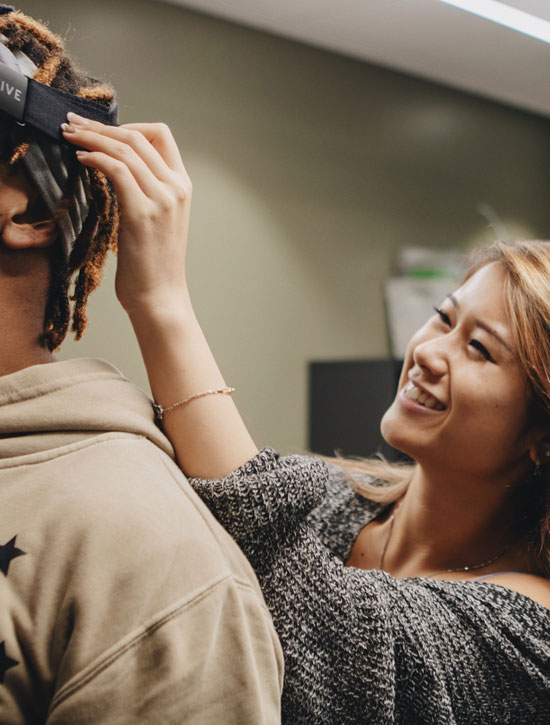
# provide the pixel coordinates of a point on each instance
(128, 191)
(153, 142)
(160, 137)
(141, 168)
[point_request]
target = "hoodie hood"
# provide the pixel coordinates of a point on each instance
(47, 406)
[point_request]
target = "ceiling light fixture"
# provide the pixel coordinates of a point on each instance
(506, 15)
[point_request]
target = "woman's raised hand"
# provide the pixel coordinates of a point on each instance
(154, 193)
(153, 189)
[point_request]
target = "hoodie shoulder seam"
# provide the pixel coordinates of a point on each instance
(40, 389)
(33, 459)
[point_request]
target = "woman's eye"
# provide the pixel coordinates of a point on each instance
(443, 316)
(476, 344)
(481, 349)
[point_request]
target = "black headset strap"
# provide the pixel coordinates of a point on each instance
(46, 108)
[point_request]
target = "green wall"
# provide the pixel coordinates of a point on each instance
(309, 170)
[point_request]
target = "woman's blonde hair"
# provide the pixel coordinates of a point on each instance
(527, 295)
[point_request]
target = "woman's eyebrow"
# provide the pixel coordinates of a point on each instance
(484, 326)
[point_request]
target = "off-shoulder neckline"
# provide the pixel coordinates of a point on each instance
(499, 589)
(502, 594)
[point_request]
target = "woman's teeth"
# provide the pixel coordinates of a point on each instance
(414, 393)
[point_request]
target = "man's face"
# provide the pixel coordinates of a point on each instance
(24, 222)
(25, 237)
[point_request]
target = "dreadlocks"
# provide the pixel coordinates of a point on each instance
(84, 266)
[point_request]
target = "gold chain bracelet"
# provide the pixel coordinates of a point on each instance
(161, 413)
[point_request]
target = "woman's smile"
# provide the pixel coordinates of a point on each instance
(414, 393)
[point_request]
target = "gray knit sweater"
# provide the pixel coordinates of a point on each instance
(361, 646)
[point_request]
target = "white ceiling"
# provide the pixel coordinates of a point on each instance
(427, 38)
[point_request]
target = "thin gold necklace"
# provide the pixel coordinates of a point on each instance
(443, 571)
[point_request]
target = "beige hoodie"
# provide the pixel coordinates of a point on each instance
(122, 600)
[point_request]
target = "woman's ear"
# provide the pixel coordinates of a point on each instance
(539, 452)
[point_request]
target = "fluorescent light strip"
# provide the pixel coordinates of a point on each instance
(505, 15)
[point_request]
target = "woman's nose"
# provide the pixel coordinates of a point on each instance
(432, 356)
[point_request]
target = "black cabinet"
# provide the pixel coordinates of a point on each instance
(347, 400)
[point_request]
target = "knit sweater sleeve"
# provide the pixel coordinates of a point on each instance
(361, 646)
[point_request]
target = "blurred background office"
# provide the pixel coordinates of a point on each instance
(322, 138)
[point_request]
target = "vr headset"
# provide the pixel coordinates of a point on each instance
(42, 107)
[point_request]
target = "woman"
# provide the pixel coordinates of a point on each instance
(425, 600)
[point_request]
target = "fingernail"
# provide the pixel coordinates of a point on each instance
(81, 154)
(77, 120)
(67, 128)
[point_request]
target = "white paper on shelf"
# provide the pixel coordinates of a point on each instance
(410, 302)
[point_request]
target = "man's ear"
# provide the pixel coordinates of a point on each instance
(25, 235)
(25, 222)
